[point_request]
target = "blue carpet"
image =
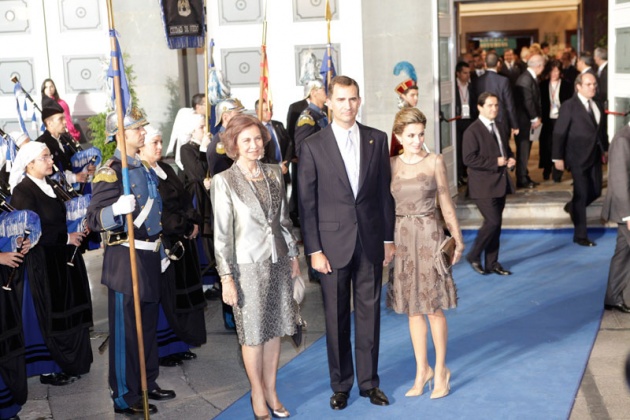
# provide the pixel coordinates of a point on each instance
(518, 345)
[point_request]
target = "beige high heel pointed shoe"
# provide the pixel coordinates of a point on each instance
(417, 391)
(443, 392)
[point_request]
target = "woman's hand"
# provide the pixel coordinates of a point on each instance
(230, 296)
(24, 244)
(194, 233)
(75, 238)
(457, 255)
(11, 259)
(295, 267)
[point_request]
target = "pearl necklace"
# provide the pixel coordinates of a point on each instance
(247, 172)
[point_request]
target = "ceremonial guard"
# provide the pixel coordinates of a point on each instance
(313, 118)
(407, 98)
(218, 161)
(106, 213)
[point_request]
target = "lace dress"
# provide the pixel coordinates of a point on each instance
(415, 287)
(265, 289)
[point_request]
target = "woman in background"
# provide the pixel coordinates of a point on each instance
(49, 91)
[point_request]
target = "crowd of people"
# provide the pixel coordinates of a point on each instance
(360, 202)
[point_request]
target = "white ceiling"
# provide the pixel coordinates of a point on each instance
(515, 7)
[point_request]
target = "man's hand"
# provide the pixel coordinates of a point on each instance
(320, 263)
(91, 169)
(390, 251)
(559, 164)
(536, 124)
(501, 161)
(283, 166)
(515, 131)
(511, 163)
(628, 224)
(81, 177)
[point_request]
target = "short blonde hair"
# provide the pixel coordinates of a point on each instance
(237, 124)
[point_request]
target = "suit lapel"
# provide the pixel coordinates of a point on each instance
(331, 149)
(367, 146)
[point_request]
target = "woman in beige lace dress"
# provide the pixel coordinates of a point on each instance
(417, 288)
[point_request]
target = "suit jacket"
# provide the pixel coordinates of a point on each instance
(569, 74)
(472, 102)
(617, 202)
(499, 85)
(331, 217)
(218, 163)
(60, 156)
(286, 143)
(576, 138)
(527, 99)
(480, 152)
(566, 92)
(295, 109)
(512, 74)
(243, 233)
(602, 85)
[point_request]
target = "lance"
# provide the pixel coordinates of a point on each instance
(329, 72)
(120, 138)
(263, 59)
(205, 66)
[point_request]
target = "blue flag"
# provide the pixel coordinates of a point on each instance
(17, 89)
(325, 69)
(124, 85)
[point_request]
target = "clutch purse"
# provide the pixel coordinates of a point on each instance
(445, 254)
(298, 289)
(298, 295)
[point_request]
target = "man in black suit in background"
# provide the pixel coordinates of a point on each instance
(347, 216)
(499, 85)
(510, 68)
(617, 209)
(466, 108)
(488, 157)
(585, 63)
(528, 109)
(601, 59)
(280, 147)
(579, 143)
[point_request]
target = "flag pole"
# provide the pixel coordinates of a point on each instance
(329, 72)
(130, 234)
(205, 60)
(263, 58)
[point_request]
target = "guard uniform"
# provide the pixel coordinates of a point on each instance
(124, 369)
(311, 120)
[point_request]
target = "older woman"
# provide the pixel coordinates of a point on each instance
(256, 256)
(59, 294)
(181, 321)
(49, 91)
(418, 287)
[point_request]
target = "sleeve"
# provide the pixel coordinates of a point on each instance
(52, 233)
(528, 100)
(619, 176)
(446, 202)
(561, 132)
(285, 222)
(302, 132)
(100, 216)
(223, 225)
(471, 153)
(389, 208)
(307, 193)
(509, 105)
(193, 167)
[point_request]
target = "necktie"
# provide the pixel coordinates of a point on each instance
(496, 138)
(276, 145)
(350, 161)
(589, 109)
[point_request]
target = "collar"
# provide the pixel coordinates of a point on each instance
(532, 72)
(494, 70)
(43, 185)
(486, 121)
(585, 70)
(462, 85)
(159, 171)
(341, 134)
(131, 161)
(314, 107)
(582, 98)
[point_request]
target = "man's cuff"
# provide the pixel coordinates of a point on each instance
(316, 252)
(625, 219)
(389, 242)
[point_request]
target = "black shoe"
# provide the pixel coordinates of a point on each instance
(377, 397)
(135, 410)
(213, 293)
(584, 242)
(621, 307)
(160, 394)
(529, 185)
(498, 269)
(476, 265)
(170, 361)
(58, 379)
(186, 355)
(339, 400)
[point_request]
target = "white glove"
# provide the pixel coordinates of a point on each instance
(124, 205)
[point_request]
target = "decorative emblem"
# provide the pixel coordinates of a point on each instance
(183, 8)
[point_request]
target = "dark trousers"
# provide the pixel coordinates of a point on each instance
(293, 200)
(488, 237)
(587, 186)
(124, 364)
(364, 279)
(523, 147)
(618, 289)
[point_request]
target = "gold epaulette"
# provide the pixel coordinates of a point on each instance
(305, 118)
(105, 174)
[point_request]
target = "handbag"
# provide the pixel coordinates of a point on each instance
(299, 288)
(444, 255)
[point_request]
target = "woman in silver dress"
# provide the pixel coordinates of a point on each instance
(256, 256)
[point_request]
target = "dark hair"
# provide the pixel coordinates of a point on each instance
(460, 66)
(237, 124)
(587, 58)
(481, 101)
(554, 64)
(197, 99)
(343, 81)
(257, 102)
(407, 116)
(544, 45)
(55, 95)
(492, 60)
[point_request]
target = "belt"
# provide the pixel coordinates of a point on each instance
(145, 245)
(411, 216)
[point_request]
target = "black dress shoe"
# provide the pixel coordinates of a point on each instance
(377, 397)
(160, 394)
(170, 361)
(186, 355)
(58, 379)
(339, 400)
(621, 307)
(135, 410)
(584, 242)
(529, 185)
(498, 269)
(476, 265)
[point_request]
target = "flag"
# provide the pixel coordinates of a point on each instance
(17, 90)
(124, 85)
(327, 66)
(184, 23)
(265, 95)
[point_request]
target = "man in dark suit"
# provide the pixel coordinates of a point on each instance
(466, 108)
(280, 148)
(499, 85)
(585, 63)
(569, 72)
(488, 157)
(579, 143)
(601, 59)
(510, 68)
(617, 209)
(529, 112)
(348, 218)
